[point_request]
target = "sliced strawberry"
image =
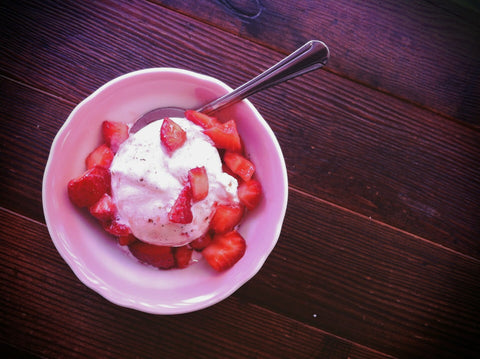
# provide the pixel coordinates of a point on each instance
(201, 119)
(126, 240)
(225, 250)
(201, 242)
(228, 171)
(182, 256)
(239, 165)
(157, 256)
(172, 135)
(181, 212)
(225, 135)
(104, 209)
(226, 217)
(250, 193)
(114, 133)
(86, 190)
(198, 182)
(101, 156)
(116, 228)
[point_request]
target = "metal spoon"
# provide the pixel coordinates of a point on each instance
(311, 56)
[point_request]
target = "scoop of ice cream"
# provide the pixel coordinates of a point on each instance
(146, 181)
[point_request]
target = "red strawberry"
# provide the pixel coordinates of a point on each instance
(228, 171)
(101, 156)
(172, 135)
(114, 133)
(250, 193)
(226, 217)
(239, 165)
(199, 183)
(116, 228)
(225, 250)
(157, 256)
(181, 212)
(104, 209)
(126, 240)
(225, 135)
(86, 190)
(201, 242)
(201, 119)
(182, 256)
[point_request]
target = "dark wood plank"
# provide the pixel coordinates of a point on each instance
(355, 147)
(424, 182)
(30, 120)
(380, 157)
(423, 51)
(47, 311)
(362, 280)
(332, 270)
(343, 282)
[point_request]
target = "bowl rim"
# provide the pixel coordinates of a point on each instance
(100, 289)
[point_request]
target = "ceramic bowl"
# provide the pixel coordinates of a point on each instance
(95, 257)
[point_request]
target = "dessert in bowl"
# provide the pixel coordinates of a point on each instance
(109, 268)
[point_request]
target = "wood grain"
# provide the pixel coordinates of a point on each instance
(370, 282)
(379, 253)
(112, 331)
(358, 148)
(415, 50)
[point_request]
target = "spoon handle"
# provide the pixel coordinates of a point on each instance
(311, 56)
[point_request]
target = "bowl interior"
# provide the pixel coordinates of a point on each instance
(103, 265)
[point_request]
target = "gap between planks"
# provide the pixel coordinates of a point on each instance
(33, 88)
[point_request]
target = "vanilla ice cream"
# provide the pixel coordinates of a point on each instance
(146, 181)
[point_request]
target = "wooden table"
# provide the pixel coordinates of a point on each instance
(379, 255)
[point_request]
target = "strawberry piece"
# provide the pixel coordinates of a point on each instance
(116, 228)
(104, 209)
(228, 171)
(225, 135)
(182, 256)
(101, 156)
(198, 182)
(114, 134)
(239, 165)
(226, 217)
(201, 119)
(201, 242)
(86, 190)
(126, 240)
(225, 250)
(250, 193)
(157, 256)
(172, 135)
(181, 212)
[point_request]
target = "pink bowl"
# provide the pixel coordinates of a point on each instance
(97, 260)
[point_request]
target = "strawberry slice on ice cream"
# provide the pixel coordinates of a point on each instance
(199, 182)
(181, 212)
(201, 119)
(172, 135)
(225, 136)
